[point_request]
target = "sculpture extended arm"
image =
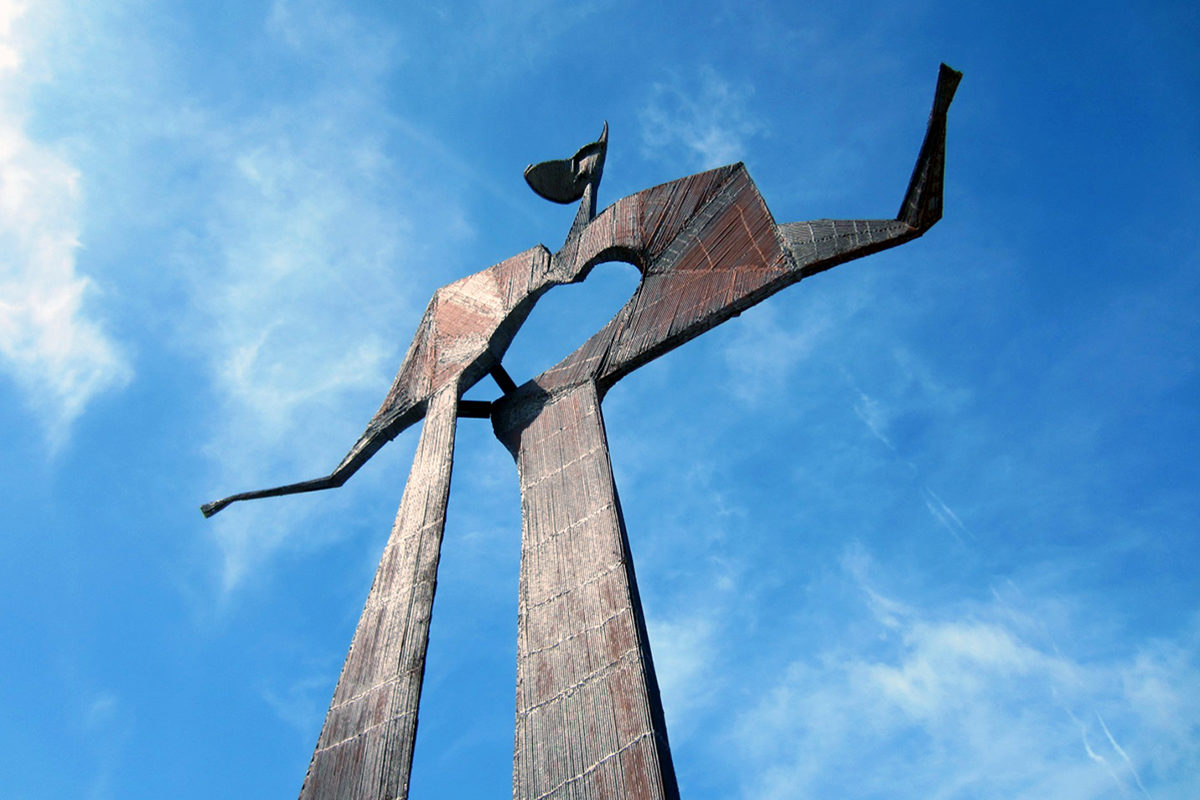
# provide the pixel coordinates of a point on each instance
(818, 245)
(465, 330)
(367, 445)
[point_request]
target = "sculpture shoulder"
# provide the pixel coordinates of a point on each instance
(500, 285)
(684, 195)
(639, 227)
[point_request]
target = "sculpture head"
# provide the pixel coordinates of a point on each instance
(565, 180)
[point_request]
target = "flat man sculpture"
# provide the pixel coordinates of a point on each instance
(589, 720)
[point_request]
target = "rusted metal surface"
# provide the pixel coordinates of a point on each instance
(589, 719)
(466, 328)
(366, 745)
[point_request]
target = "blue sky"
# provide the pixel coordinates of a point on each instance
(923, 526)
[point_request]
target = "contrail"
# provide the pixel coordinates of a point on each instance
(1124, 755)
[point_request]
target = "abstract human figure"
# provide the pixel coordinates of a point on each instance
(589, 719)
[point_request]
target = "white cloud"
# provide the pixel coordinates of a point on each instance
(904, 389)
(707, 116)
(945, 516)
(319, 29)
(300, 304)
(764, 350)
(971, 703)
(910, 395)
(51, 343)
(302, 702)
(492, 39)
(293, 311)
(683, 649)
(858, 564)
(10, 55)
(101, 711)
(107, 725)
(875, 416)
(1121, 752)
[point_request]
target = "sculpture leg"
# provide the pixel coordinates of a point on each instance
(365, 748)
(589, 717)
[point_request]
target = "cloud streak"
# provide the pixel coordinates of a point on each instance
(1124, 756)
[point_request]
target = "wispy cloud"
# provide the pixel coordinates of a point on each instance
(319, 29)
(302, 702)
(946, 516)
(52, 342)
(10, 53)
(914, 395)
(858, 564)
(874, 415)
(962, 702)
(300, 272)
(101, 711)
(706, 116)
(1121, 752)
(107, 725)
(512, 36)
(683, 649)
(904, 392)
(766, 348)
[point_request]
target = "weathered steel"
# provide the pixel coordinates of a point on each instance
(466, 328)
(565, 180)
(589, 719)
(366, 745)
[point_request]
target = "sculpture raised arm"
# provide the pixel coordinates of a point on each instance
(708, 249)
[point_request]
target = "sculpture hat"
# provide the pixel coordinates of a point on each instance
(564, 180)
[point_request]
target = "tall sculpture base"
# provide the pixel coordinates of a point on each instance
(366, 745)
(589, 718)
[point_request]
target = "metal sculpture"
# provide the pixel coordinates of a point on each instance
(589, 720)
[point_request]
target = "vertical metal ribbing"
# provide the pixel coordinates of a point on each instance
(589, 720)
(365, 748)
